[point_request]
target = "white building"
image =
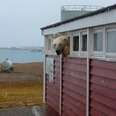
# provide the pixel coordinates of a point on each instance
(83, 83)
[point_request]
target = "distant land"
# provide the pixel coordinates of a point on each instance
(39, 49)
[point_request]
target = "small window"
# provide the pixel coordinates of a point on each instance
(76, 43)
(111, 41)
(98, 41)
(84, 42)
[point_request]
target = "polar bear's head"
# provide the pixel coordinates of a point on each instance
(61, 45)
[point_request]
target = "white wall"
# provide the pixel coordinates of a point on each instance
(96, 20)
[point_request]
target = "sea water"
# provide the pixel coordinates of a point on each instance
(21, 56)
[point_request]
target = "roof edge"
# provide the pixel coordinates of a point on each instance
(102, 10)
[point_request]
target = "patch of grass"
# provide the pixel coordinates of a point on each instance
(20, 94)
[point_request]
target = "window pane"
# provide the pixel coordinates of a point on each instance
(98, 41)
(111, 41)
(84, 42)
(76, 43)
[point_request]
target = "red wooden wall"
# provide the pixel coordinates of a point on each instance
(74, 87)
(53, 90)
(102, 88)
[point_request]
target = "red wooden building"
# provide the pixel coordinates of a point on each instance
(83, 83)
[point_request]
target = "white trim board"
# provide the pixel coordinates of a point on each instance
(96, 20)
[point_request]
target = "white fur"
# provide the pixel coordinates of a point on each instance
(61, 42)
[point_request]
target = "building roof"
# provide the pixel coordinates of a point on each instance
(102, 10)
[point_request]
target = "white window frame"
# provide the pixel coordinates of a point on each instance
(83, 53)
(98, 54)
(104, 55)
(79, 53)
(110, 55)
(101, 55)
(49, 44)
(49, 51)
(72, 52)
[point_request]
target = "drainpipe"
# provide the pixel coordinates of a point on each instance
(60, 98)
(88, 74)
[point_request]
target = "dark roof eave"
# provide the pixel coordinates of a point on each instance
(102, 10)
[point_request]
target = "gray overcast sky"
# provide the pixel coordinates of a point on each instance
(20, 20)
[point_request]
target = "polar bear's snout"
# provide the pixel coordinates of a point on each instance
(59, 51)
(60, 45)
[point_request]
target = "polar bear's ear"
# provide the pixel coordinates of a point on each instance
(65, 39)
(54, 46)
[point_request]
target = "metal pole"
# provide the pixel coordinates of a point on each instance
(87, 74)
(60, 98)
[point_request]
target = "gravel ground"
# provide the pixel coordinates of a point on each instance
(17, 112)
(24, 111)
(22, 73)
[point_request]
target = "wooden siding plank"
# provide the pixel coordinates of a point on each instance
(103, 64)
(103, 91)
(53, 85)
(95, 112)
(51, 111)
(68, 112)
(75, 82)
(75, 89)
(75, 68)
(71, 100)
(74, 111)
(109, 74)
(108, 83)
(75, 74)
(104, 100)
(106, 110)
(53, 92)
(53, 104)
(75, 61)
(74, 96)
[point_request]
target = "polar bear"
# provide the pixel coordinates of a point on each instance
(61, 45)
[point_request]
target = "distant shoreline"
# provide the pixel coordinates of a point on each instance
(21, 55)
(39, 49)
